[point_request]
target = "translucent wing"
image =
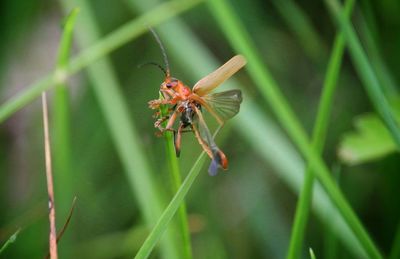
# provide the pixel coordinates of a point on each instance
(211, 81)
(206, 140)
(225, 104)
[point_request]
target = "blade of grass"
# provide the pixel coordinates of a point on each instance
(395, 250)
(9, 241)
(169, 212)
(329, 237)
(319, 134)
(241, 41)
(365, 71)
(101, 48)
(312, 255)
(150, 196)
(301, 26)
(176, 181)
(250, 122)
(61, 121)
(382, 71)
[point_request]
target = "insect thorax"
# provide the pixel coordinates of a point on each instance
(188, 112)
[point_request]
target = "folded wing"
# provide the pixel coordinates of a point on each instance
(214, 79)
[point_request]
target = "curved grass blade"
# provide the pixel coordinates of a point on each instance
(171, 209)
(9, 241)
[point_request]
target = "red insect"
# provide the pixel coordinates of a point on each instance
(188, 104)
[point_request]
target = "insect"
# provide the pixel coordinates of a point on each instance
(187, 105)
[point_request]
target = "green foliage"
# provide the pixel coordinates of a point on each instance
(371, 141)
(312, 255)
(9, 241)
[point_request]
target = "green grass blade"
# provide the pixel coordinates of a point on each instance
(366, 72)
(312, 255)
(101, 48)
(319, 133)
(301, 26)
(9, 241)
(176, 181)
(367, 32)
(329, 237)
(61, 122)
(171, 209)
(242, 42)
(395, 250)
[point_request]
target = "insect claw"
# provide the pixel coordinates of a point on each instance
(156, 114)
(177, 144)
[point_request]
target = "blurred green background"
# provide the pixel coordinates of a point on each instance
(246, 212)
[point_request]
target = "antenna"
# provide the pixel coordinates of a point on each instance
(164, 53)
(155, 64)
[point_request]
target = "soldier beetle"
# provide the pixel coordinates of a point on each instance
(189, 103)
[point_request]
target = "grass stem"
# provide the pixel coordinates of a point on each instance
(49, 177)
(320, 129)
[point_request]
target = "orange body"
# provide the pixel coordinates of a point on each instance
(188, 103)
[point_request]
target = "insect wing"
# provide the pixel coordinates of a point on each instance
(225, 104)
(214, 79)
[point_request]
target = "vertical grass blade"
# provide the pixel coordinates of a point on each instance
(176, 181)
(301, 26)
(241, 41)
(49, 178)
(61, 121)
(365, 71)
(319, 133)
(381, 69)
(395, 250)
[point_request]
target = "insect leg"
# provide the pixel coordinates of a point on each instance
(171, 120)
(202, 143)
(218, 157)
(177, 139)
(158, 122)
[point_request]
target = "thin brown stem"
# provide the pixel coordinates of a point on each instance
(71, 211)
(49, 177)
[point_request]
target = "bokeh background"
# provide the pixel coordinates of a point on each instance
(246, 212)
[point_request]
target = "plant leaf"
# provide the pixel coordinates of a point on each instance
(371, 140)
